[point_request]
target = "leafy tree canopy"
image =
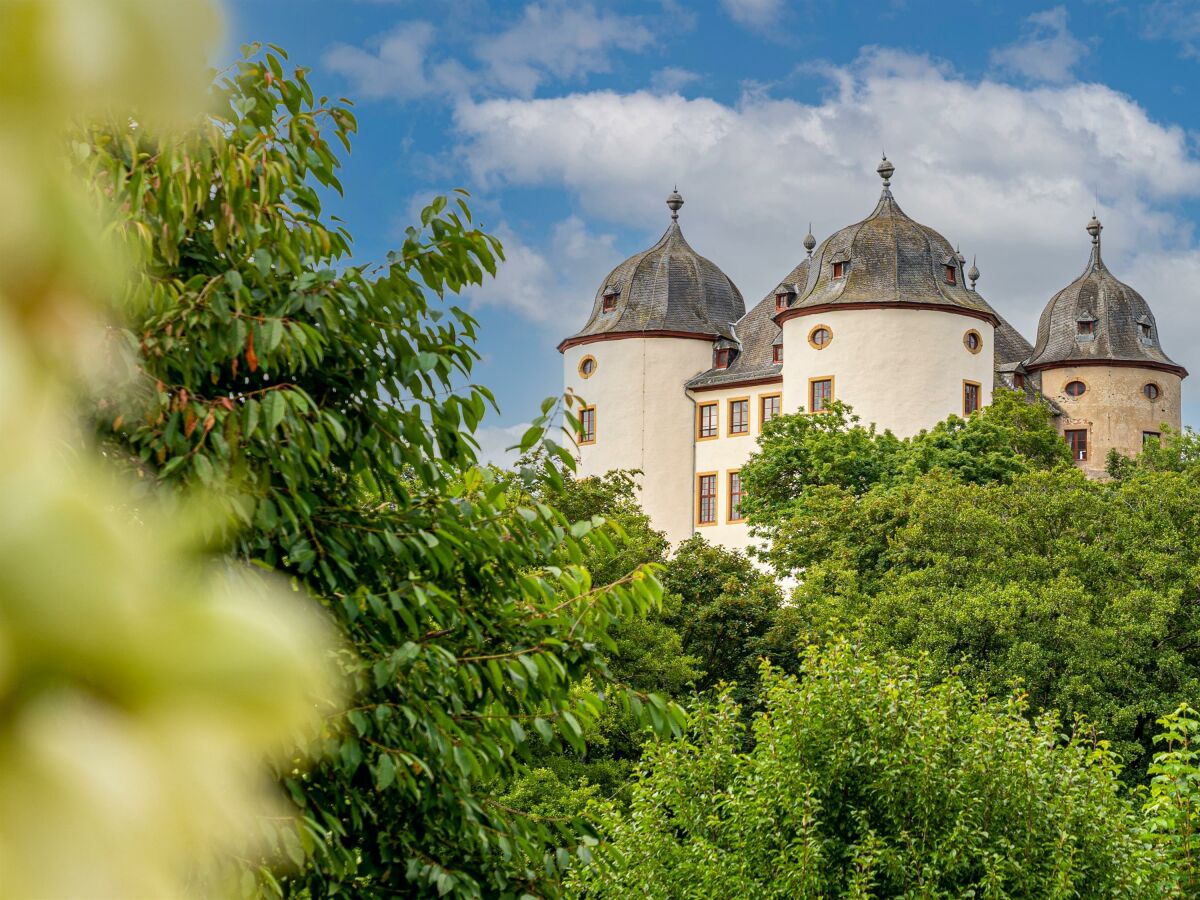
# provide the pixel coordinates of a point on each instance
(331, 406)
(865, 779)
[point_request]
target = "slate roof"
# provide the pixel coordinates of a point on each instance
(891, 258)
(1117, 311)
(756, 333)
(669, 287)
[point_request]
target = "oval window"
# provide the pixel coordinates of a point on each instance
(1151, 391)
(587, 366)
(972, 341)
(820, 337)
(1075, 388)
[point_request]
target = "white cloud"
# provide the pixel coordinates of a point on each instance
(754, 13)
(558, 39)
(1174, 20)
(551, 286)
(1046, 51)
(1012, 173)
(671, 80)
(553, 39)
(494, 441)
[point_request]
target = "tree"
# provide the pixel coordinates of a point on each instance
(866, 779)
(1084, 592)
(1173, 807)
(144, 684)
(331, 407)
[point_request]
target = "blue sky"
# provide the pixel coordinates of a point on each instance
(569, 122)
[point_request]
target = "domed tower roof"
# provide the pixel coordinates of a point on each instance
(669, 288)
(888, 259)
(1097, 320)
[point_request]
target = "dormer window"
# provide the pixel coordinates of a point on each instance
(724, 357)
(839, 270)
(610, 299)
(951, 275)
(777, 353)
(1019, 379)
(1085, 327)
(783, 296)
(1145, 331)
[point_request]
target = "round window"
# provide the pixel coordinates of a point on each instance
(587, 366)
(1075, 388)
(1151, 391)
(820, 337)
(972, 341)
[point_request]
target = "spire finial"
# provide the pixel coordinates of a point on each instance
(674, 202)
(885, 170)
(973, 272)
(809, 241)
(1094, 228)
(958, 254)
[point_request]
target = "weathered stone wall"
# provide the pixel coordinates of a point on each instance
(1114, 408)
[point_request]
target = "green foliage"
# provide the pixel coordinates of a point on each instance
(332, 407)
(867, 780)
(726, 609)
(1173, 808)
(1173, 451)
(1083, 591)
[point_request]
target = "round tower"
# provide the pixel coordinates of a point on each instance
(653, 325)
(1100, 359)
(885, 323)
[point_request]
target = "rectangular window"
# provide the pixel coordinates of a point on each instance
(706, 421)
(706, 499)
(587, 425)
(1087, 327)
(723, 358)
(970, 397)
(839, 270)
(1150, 436)
(768, 408)
(951, 275)
(1019, 380)
(777, 353)
(820, 393)
(781, 302)
(735, 496)
(1077, 441)
(739, 416)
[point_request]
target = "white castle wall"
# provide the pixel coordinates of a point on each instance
(902, 369)
(644, 418)
(725, 454)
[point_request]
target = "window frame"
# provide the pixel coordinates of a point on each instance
(1157, 391)
(951, 274)
(776, 395)
(595, 425)
(1086, 327)
(595, 365)
(841, 269)
(812, 331)
(967, 383)
(1067, 432)
(1072, 381)
(716, 425)
(729, 416)
(608, 301)
(832, 393)
(978, 348)
(716, 494)
(776, 354)
(1151, 435)
(730, 474)
(722, 358)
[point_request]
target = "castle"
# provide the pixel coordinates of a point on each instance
(678, 377)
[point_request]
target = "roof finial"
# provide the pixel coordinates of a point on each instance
(973, 272)
(885, 170)
(958, 254)
(809, 241)
(674, 202)
(1094, 228)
